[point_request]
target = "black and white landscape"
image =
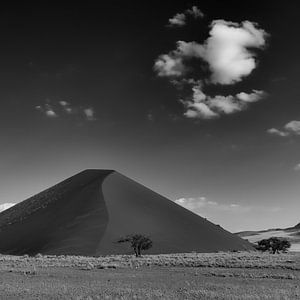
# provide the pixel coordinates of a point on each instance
(147, 147)
(89, 212)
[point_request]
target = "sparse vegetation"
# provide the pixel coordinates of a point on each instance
(138, 242)
(224, 260)
(224, 275)
(273, 245)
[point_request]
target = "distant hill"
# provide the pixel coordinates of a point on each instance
(297, 226)
(291, 233)
(87, 213)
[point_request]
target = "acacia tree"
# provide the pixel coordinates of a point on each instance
(138, 242)
(274, 245)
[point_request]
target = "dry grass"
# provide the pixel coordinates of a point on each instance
(253, 259)
(240, 275)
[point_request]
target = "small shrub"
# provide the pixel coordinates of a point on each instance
(30, 271)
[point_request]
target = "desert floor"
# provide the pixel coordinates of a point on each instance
(241, 275)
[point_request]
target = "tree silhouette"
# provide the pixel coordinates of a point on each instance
(138, 242)
(274, 245)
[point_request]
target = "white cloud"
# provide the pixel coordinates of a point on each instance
(201, 204)
(89, 114)
(293, 127)
(200, 111)
(197, 106)
(5, 206)
(47, 109)
(69, 110)
(251, 97)
(227, 50)
(168, 65)
(289, 129)
(179, 20)
(189, 49)
(67, 107)
(51, 113)
(195, 12)
(227, 54)
(62, 108)
(192, 203)
(64, 103)
(234, 205)
(202, 106)
(225, 104)
(297, 167)
(275, 131)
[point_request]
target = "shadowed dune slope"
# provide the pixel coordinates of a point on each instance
(68, 218)
(87, 213)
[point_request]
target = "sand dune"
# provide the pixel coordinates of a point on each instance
(292, 234)
(87, 213)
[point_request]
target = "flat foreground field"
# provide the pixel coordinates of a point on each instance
(241, 275)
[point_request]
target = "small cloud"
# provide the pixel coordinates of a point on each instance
(199, 111)
(47, 109)
(69, 110)
(297, 167)
(168, 65)
(5, 206)
(192, 203)
(277, 132)
(89, 114)
(198, 204)
(234, 205)
(64, 103)
(212, 203)
(202, 106)
(67, 107)
(51, 113)
(179, 20)
(292, 128)
(62, 108)
(195, 12)
(180, 201)
(251, 97)
(225, 104)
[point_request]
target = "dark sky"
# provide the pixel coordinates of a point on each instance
(97, 60)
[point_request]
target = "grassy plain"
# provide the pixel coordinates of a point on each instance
(238, 275)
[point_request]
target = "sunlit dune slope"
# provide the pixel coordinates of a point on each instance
(87, 213)
(292, 234)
